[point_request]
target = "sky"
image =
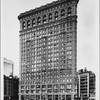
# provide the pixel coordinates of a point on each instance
(87, 31)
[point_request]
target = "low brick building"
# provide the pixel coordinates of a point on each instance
(86, 85)
(11, 87)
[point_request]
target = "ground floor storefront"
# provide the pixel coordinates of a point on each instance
(47, 97)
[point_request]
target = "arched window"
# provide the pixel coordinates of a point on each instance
(44, 19)
(33, 22)
(23, 25)
(50, 17)
(69, 11)
(56, 15)
(62, 13)
(39, 21)
(28, 24)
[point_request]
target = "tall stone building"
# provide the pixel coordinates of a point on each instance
(48, 51)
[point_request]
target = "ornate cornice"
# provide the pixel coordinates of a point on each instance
(37, 9)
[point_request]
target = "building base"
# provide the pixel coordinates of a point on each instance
(47, 97)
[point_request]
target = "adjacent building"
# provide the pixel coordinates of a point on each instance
(86, 85)
(8, 67)
(11, 83)
(11, 87)
(48, 52)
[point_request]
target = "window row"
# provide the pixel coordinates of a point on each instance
(34, 39)
(47, 30)
(44, 76)
(39, 20)
(55, 86)
(37, 81)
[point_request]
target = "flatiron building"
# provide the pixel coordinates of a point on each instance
(48, 52)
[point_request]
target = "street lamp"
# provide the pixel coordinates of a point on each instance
(9, 98)
(81, 96)
(46, 95)
(41, 95)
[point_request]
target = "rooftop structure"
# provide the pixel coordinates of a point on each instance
(8, 67)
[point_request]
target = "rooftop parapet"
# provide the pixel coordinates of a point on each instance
(26, 13)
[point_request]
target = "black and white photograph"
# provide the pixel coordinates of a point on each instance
(50, 50)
